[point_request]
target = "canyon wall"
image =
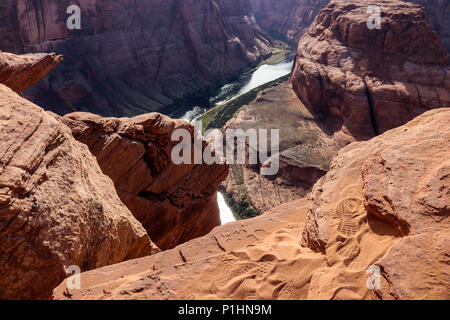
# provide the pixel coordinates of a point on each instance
(57, 209)
(372, 80)
(286, 19)
(133, 57)
(289, 19)
(383, 209)
(353, 84)
(174, 203)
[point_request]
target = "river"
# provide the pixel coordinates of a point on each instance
(245, 83)
(264, 74)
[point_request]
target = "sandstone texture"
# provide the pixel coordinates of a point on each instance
(395, 187)
(19, 72)
(290, 18)
(57, 209)
(175, 203)
(372, 80)
(384, 205)
(133, 57)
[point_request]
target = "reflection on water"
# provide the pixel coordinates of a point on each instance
(225, 212)
(267, 73)
(264, 74)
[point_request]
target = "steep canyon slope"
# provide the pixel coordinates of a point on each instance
(133, 57)
(174, 203)
(372, 80)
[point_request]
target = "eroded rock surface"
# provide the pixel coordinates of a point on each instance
(133, 57)
(57, 209)
(290, 18)
(175, 203)
(372, 80)
(286, 18)
(320, 247)
(19, 72)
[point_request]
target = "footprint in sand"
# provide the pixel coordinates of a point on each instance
(348, 252)
(348, 210)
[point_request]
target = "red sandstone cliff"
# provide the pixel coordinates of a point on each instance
(355, 84)
(290, 18)
(286, 18)
(174, 203)
(371, 80)
(133, 57)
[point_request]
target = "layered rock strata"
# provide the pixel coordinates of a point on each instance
(57, 209)
(175, 203)
(372, 80)
(130, 57)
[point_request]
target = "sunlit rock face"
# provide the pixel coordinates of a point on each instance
(132, 57)
(371, 80)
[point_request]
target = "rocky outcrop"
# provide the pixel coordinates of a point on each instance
(372, 80)
(286, 19)
(19, 72)
(395, 187)
(438, 12)
(383, 205)
(130, 58)
(175, 203)
(57, 209)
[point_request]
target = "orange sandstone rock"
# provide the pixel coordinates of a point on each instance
(320, 247)
(57, 208)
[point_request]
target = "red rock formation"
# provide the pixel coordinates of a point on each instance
(290, 18)
(306, 150)
(385, 203)
(372, 80)
(394, 186)
(19, 72)
(133, 57)
(438, 12)
(57, 209)
(175, 203)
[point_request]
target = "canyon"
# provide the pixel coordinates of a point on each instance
(358, 210)
(348, 83)
(130, 58)
(289, 19)
(63, 206)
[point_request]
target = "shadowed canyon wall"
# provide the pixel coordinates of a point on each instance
(133, 57)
